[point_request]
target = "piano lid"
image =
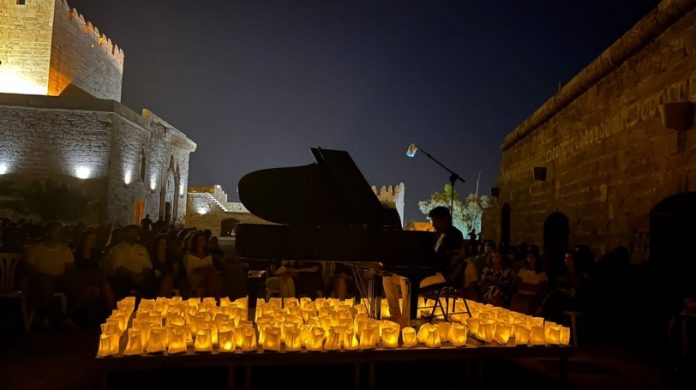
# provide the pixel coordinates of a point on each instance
(331, 191)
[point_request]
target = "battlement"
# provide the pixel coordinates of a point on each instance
(99, 39)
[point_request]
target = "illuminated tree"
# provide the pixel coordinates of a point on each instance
(465, 215)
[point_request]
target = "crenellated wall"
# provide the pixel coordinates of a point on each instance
(48, 48)
(83, 57)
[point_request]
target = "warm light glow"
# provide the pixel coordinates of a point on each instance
(13, 83)
(127, 177)
(83, 172)
(202, 209)
(153, 183)
(181, 189)
(3, 168)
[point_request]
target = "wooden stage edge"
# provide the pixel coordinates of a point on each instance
(359, 358)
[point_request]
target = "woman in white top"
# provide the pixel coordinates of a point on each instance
(530, 285)
(200, 270)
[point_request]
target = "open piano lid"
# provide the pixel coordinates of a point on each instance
(330, 192)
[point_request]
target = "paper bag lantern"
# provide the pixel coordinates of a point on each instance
(157, 340)
(108, 345)
(552, 334)
(502, 333)
(333, 340)
(390, 338)
(248, 339)
(226, 340)
(350, 341)
(271, 340)
(473, 324)
(135, 343)
(443, 328)
(368, 337)
(408, 334)
(536, 336)
(293, 342)
(177, 341)
(521, 335)
(204, 341)
(565, 335)
(316, 341)
(432, 337)
(457, 335)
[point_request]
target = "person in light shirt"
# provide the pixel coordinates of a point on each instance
(200, 269)
(530, 285)
(51, 263)
(130, 265)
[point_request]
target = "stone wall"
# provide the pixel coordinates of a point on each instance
(394, 197)
(25, 45)
(609, 157)
(99, 143)
(83, 57)
(207, 207)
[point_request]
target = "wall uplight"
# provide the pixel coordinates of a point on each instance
(3, 168)
(203, 209)
(127, 177)
(153, 183)
(11, 82)
(181, 190)
(83, 172)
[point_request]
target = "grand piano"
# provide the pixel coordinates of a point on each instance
(326, 211)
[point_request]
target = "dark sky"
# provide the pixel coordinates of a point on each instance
(257, 83)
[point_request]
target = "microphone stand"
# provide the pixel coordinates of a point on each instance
(452, 178)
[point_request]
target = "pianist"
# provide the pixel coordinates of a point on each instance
(448, 246)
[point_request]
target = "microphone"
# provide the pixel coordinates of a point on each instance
(411, 151)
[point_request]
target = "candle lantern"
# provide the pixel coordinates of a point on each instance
(293, 341)
(107, 345)
(408, 334)
(521, 335)
(226, 340)
(177, 341)
(135, 342)
(316, 342)
(422, 332)
(443, 328)
(457, 335)
(333, 339)
(249, 339)
(350, 341)
(390, 338)
(204, 341)
(271, 340)
(536, 336)
(502, 333)
(432, 337)
(565, 335)
(552, 334)
(157, 340)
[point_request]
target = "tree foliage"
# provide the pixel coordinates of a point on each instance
(47, 199)
(466, 215)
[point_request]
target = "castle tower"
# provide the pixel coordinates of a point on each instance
(47, 48)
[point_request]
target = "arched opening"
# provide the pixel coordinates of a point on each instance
(505, 224)
(672, 247)
(142, 166)
(227, 226)
(556, 232)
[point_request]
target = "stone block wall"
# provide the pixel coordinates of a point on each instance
(83, 57)
(25, 45)
(608, 155)
(207, 207)
(56, 136)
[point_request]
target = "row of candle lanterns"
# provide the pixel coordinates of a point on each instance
(174, 325)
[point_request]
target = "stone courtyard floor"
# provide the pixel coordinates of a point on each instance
(64, 359)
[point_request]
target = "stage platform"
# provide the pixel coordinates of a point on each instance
(365, 362)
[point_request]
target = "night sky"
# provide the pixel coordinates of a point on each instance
(257, 83)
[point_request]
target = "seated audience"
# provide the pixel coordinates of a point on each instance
(92, 282)
(496, 281)
(530, 285)
(200, 270)
(51, 263)
(130, 265)
(164, 265)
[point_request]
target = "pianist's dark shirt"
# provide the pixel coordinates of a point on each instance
(448, 250)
